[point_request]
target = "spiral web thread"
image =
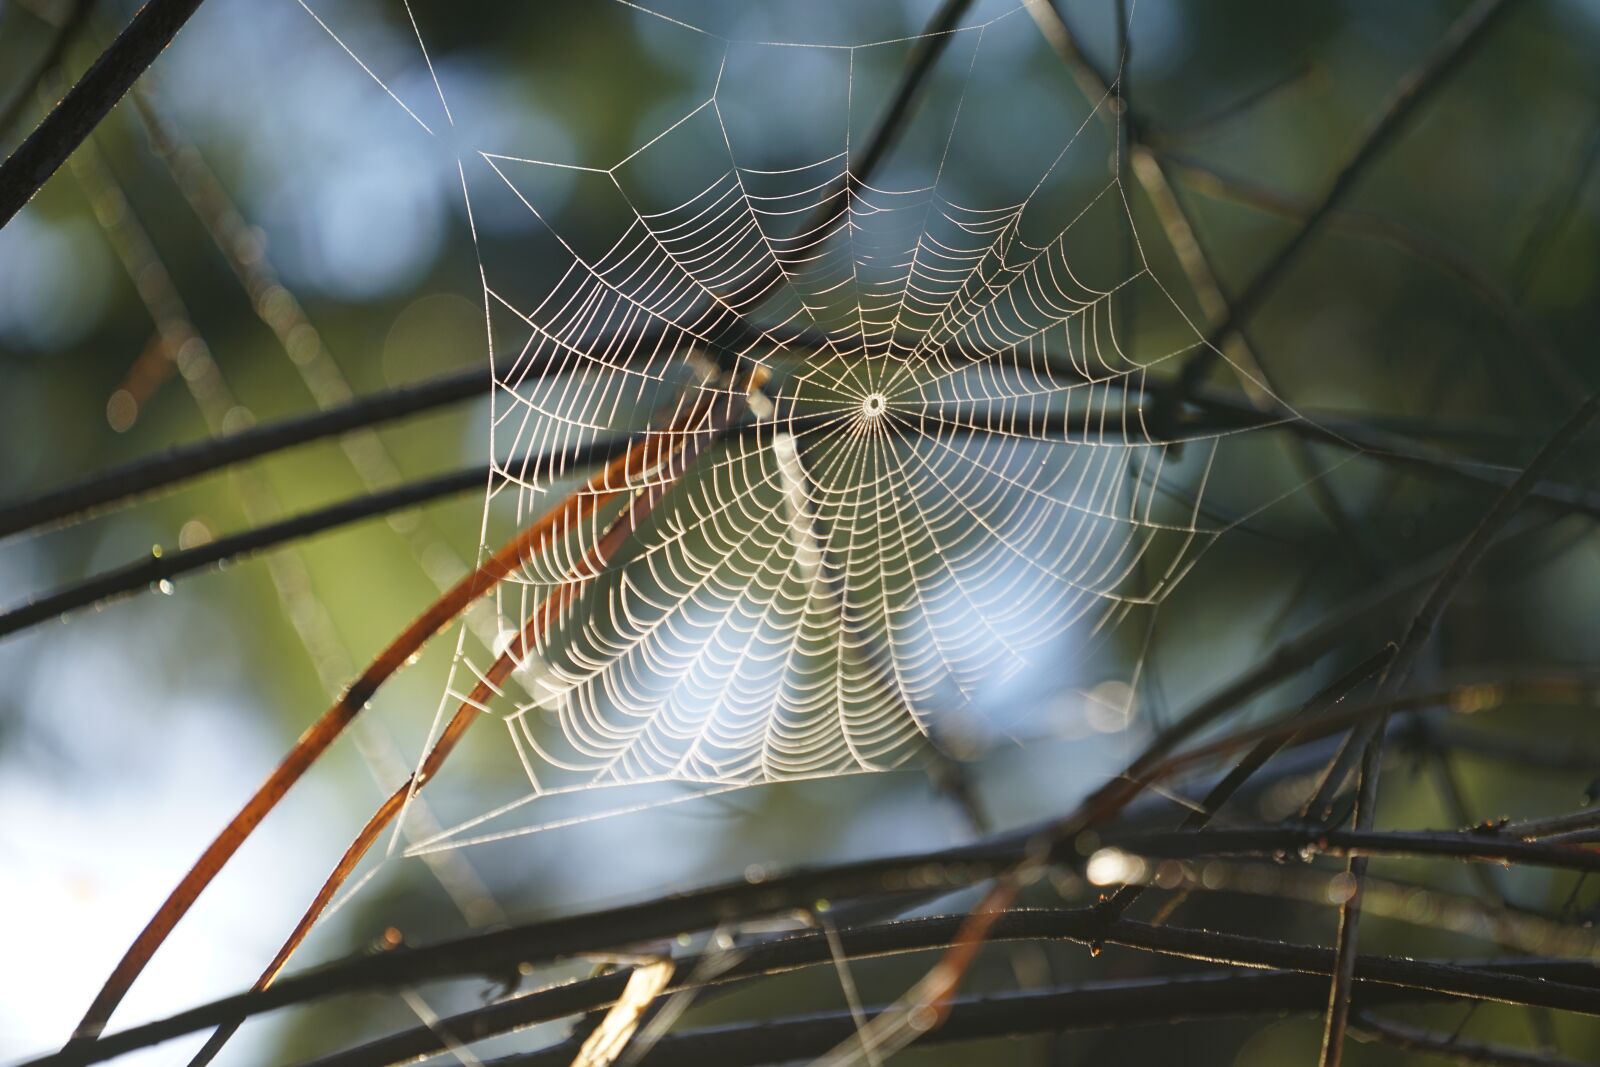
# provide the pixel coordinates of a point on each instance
(942, 474)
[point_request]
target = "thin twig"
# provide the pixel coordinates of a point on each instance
(614, 479)
(48, 60)
(147, 574)
(1091, 1006)
(1255, 380)
(1411, 239)
(1119, 902)
(1461, 846)
(125, 483)
(472, 706)
(1404, 101)
(143, 575)
(119, 583)
(129, 481)
(1552, 982)
(1450, 1046)
(1416, 637)
(1555, 826)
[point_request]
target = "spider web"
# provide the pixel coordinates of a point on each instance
(907, 454)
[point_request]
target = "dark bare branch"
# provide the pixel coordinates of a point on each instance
(80, 111)
(1451, 1046)
(129, 481)
(1369, 738)
(1565, 984)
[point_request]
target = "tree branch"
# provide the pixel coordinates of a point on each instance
(1465, 846)
(1556, 983)
(122, 484)
(1090, 1006)
(142, 575)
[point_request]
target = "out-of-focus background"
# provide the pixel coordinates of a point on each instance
(1454, 301)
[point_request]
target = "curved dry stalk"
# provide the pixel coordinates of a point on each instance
(600, 488)
(156, 18)
(536, 626)
(368, 835)
(926, 1006)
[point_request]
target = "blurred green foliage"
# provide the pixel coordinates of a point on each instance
(1495, 176)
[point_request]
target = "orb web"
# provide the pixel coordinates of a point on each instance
(903, 418)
